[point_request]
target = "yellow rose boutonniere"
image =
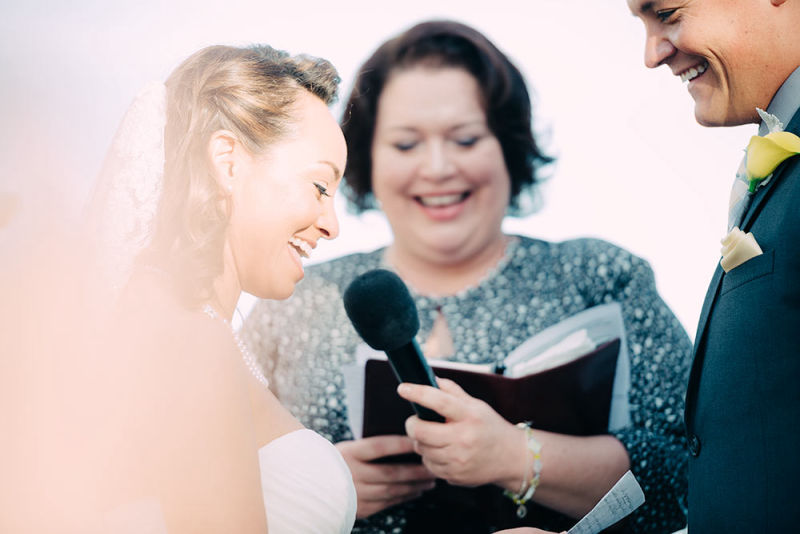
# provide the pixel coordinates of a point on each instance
(764, 154)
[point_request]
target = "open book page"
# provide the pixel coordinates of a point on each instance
(463, 366)
(600, 323)
(573, 346)
(625, 497)
(353, 374)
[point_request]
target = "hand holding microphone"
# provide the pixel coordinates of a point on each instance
(385, 316)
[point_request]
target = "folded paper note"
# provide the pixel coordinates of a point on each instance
(625, 497)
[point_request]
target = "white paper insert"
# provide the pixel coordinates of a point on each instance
(625, 497)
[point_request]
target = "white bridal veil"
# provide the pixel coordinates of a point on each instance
(123, 207)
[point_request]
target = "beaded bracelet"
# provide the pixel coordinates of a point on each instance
(528, 486)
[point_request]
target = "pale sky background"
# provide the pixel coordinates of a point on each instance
(634, 167)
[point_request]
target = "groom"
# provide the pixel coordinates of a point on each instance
(743, 400)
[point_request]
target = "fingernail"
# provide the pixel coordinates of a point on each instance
(402, 388)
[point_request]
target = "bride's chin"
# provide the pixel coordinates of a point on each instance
(273, 291)
(283, 295)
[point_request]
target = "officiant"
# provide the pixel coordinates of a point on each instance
(439, 135)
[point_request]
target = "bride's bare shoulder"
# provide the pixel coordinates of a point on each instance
(180, 349)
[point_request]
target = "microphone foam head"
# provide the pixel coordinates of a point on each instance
(381, 310)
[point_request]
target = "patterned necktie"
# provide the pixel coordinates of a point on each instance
(740, 198)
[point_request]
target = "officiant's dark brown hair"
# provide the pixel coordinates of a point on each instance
(440, 44)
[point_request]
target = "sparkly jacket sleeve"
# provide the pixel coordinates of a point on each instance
(660, 354)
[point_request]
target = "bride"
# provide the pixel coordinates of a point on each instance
(218, 182)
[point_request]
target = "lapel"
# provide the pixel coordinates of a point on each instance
(711, 295)
(697, 360)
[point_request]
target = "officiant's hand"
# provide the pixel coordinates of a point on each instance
(474, 446)
(379, 486)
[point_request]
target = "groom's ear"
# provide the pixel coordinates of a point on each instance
(224, 151)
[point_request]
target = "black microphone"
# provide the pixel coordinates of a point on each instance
(385, 316)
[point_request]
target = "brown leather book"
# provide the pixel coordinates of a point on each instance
(574, 398)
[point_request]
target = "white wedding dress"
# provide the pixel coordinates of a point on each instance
(307, 485)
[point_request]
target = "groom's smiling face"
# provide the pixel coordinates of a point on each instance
(722, 50)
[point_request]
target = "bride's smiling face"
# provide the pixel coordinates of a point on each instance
(282, 201)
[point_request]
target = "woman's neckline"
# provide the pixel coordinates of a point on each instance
(512, 242)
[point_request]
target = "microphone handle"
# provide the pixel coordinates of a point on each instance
(409, 365)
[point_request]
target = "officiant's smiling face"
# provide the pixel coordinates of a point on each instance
(721, 49)
(438, 170)
(282, 200)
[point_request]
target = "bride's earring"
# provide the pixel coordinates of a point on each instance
(230, 178)
(227, 197)
(229, 192)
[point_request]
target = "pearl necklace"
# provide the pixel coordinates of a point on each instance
(247, 356)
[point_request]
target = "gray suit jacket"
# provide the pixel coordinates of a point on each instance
(743, 400)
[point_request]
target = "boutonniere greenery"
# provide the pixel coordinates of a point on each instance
(765, 153)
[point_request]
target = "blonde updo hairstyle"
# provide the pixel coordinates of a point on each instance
(248, 92)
